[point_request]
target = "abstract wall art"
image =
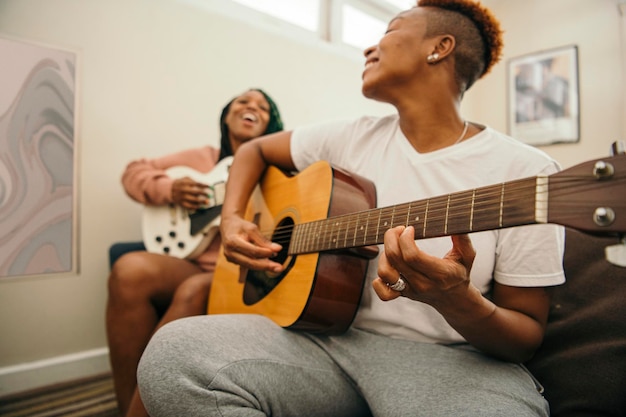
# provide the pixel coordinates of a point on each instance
(543, 97)
(38, 219)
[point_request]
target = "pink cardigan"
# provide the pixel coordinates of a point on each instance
(146, 182)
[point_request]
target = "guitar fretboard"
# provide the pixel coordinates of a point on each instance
(493, 207)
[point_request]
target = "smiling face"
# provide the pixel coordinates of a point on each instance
(248, 117)
(399, 58)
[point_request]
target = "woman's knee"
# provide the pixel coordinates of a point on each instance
(132, 273)
(194, 289)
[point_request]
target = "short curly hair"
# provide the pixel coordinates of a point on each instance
(477, 32)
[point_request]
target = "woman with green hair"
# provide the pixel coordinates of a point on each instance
(148, 289)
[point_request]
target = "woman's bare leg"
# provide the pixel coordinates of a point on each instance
(141, 287)
(190, 299)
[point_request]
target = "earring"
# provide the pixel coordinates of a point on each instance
(432, 58)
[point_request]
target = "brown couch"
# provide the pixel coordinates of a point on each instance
(582, 362)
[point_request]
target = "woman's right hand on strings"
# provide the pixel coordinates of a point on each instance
(245, 245)
(242, 241)
(189, 194)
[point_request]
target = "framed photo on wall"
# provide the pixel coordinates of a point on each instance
(38, 125)
(543, 100)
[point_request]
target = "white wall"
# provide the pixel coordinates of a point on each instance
(596, 27)
(154, 75)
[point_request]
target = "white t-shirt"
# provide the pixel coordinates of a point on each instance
(376, 148)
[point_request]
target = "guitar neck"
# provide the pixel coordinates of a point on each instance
(493, 207)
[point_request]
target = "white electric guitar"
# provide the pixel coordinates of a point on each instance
(175, 231)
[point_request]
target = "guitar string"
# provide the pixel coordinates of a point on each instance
(433, 217)
(283, 233)
(457, 224)
(415, 205)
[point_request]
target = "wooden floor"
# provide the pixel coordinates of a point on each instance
(90, 397)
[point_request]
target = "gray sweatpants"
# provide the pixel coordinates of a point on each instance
(244, 365)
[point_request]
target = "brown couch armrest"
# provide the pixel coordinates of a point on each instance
(582, 362)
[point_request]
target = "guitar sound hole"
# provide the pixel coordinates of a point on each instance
(260, 283)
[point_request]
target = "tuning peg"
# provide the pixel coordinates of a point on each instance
(616, 254)
(603, 170)
(618, 148)
(604, 216)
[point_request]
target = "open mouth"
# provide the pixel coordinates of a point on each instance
(250, 117)
(370, 62)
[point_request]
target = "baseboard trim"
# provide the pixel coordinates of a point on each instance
(32, 375)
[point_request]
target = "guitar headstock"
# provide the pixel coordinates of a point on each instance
(591, 196)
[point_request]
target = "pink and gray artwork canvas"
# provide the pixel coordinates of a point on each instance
(37, 159)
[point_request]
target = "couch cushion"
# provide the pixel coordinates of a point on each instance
(582, 362)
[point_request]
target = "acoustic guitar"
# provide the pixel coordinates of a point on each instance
(327, 224)
(175, 231)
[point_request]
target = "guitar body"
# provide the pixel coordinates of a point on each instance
(317, 292)
(169, 229)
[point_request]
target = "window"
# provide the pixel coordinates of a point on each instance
(355, 23)
(360, 29)
(303, 13)
(402, 4)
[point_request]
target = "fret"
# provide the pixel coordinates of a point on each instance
(460, 213)
(520, 209)
(345, 235)
(343, 230)
(293, 242)
(437, 217)
(445, 227)
(315, 236)
(297, 237)
(308, 245)
(325, 236)
(378, 226)
(408, 215)
(425, 218)
(366, 227)
(310, 240)
(302, 236)
(471, 225)
(305, 242)
(417, 217)
(312, 244)
(486, 208)
(292, 239)
(501, 206)
(350, 230)
(384, 226)
(336, 231)
(318, 234)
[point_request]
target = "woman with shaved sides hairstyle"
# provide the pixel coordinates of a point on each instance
(452, 302)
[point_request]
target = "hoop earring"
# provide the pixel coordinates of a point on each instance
(432, 58)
